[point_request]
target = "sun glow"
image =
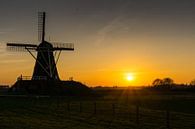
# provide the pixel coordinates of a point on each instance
(130, 77)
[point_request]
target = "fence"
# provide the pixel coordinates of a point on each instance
(118, 115)
(92, 114)
(134, 114)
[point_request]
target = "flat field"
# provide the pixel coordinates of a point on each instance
(118, 109)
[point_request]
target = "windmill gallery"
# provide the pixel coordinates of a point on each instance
(45, 78)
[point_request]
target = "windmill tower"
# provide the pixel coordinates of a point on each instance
(45, 61)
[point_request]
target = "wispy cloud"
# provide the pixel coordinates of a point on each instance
(117, 23)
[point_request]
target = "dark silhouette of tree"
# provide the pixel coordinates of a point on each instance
(157, 82)
(192, 83)
(168, 81)
(165, 83)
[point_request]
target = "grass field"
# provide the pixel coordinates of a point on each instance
(116, 110)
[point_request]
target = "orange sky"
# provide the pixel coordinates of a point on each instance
(149, 39)
(107, 68)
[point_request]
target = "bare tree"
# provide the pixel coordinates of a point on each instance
(163, 83)
(168, 81)
(157, 82)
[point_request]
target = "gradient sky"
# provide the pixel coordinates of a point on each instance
(148, 38)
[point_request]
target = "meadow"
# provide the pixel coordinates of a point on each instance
(116, 109)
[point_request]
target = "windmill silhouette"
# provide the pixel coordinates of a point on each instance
(45, 78)
(45, 66)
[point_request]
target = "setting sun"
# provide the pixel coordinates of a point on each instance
(129, 77)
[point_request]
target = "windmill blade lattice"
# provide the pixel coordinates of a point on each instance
(41, 26)
(21, 46)
(63, 46)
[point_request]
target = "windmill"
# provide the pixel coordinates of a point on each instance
(45, 78)
(47, 53)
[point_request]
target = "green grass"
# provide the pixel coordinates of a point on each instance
(66, 113)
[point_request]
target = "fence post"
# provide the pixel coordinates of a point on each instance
(95, 108)
(113, 109)
(167, 119)
(80, 107)
(137, 115)
(129, 112)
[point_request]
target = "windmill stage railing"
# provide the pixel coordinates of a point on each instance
(32, 78)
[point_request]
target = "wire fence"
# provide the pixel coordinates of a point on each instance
(98, 114)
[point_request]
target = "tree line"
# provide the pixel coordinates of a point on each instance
(168, 83)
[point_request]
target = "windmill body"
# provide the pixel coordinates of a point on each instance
(45, 65)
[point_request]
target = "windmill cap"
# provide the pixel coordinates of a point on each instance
(45, 46)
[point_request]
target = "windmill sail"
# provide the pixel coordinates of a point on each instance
(63, 46)
(21, 46)
(41, 26)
